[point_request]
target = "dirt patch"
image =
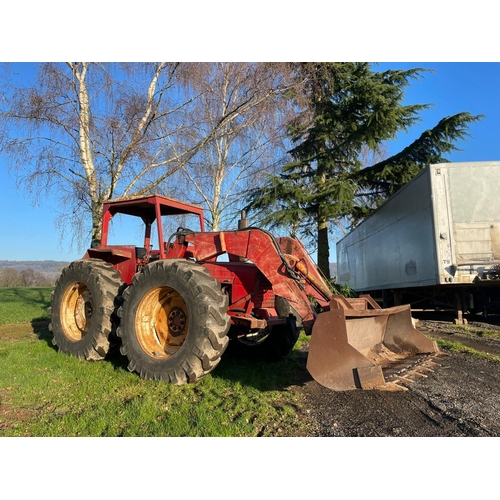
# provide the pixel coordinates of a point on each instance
(37, 329)
(15, 331)
(10, 416)
(460, 398)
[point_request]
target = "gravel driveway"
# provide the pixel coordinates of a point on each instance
(460, 398)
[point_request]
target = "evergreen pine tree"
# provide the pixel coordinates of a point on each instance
(346, 107)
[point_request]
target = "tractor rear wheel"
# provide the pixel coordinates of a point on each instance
(173, 322)
(82, 309)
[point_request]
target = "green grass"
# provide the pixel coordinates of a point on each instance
(23, 304)
(459, 347)
(472, 332)
(479, 332)
(46, 393)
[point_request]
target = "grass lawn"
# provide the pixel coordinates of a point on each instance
(46, 393)
(23, 304)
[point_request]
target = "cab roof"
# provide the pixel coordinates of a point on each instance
(145, 205)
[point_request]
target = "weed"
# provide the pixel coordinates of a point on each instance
(469, 330)
(459, 347)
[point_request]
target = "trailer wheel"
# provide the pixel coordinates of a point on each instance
(271, 344)
(82, 311)
(173, 322)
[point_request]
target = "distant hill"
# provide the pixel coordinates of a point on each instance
(51, 269)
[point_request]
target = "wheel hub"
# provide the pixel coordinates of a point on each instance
(176, 322)
(76, 311)
(162, 322)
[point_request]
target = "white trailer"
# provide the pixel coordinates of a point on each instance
(440, 230)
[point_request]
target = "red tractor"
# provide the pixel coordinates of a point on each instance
(176, 305)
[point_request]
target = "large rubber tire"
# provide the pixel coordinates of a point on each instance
(173, 322)
(83, 309)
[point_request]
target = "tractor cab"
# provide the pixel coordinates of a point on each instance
(151, 209)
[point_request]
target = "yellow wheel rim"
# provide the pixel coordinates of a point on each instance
(76, 311)
(162, 322)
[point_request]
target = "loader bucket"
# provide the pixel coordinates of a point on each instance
(353, 341)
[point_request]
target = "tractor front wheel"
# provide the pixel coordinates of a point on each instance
(173, 322)
(82, 309)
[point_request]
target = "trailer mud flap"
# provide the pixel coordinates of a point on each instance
(350, 346)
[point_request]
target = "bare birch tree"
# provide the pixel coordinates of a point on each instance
(88, 132)
(242, 150)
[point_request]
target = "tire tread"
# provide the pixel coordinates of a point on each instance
(211, 335)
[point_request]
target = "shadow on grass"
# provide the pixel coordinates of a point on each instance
(261, 375)
(40, 328)
(265, 376)
(29, 295)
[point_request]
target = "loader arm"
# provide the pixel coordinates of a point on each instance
(352, 340)
(283, 262)
(315, 285)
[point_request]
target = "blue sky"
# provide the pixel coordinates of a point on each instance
(28, 232)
